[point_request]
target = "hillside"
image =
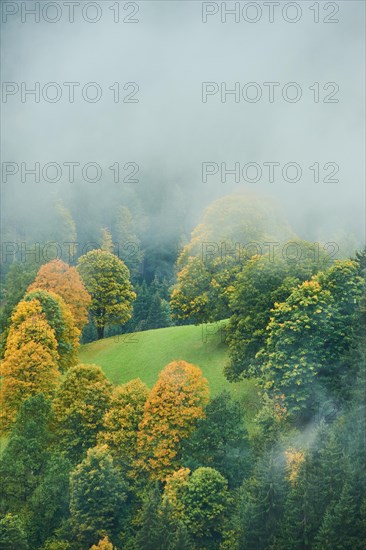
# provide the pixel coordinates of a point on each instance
(144, 354)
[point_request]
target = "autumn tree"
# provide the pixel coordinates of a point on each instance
(107, 280)
(80, 405)
(17, 279)
(30, 366)
(60, 319)
(121, 421)
(103, 544)
(65, 281)
(98, 496)
(171, 411)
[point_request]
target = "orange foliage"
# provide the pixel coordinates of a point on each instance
(67, 283)
(171, 411)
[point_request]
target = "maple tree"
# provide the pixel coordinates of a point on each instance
(172, 409)
(65, 281)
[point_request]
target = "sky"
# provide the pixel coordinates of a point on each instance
(158, 56)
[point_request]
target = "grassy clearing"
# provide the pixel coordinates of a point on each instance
(144, 354)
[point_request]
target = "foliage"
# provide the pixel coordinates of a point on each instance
(12, 535)
(121, 421)
(107, 280)
(263, 281)
(65, 281)
(59, 317)
(80, 405)
(24, 459)
(171, 411)
(200, 501)
(220, 440)
(98, 496)
(309, 333)
(233, 229)
(30, 364)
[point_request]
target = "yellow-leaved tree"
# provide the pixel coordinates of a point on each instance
(172, 409)
(121, 422)
(31, 359)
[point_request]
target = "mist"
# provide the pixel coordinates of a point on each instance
(168, 132)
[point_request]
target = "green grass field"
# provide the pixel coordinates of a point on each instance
(144, 354)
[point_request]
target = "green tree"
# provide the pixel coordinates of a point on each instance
(12, 534)
(338, 529)
(261, 282)
(98, 498)
(49, 504)
(309, 334)
(107, 280)
(80, 405)
(220, 440)
(24, 459)
(159, 313)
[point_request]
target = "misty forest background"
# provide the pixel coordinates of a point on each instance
(183, 362)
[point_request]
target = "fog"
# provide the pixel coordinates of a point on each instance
(170, 131)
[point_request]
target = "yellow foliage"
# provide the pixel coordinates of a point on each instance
(171, 411)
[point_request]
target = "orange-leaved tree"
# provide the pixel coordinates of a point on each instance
(65, 281)
(30, 365)
(171, 411)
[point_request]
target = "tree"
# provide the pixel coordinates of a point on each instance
(233, 229)
(261, 282)
(338, 529)
(200, 501)
(30, 366)
(12, 534)
(121, 421)
(24, 459)
(107, 241)
(309, 333)
(220, 441)
(159, 313)
(17, 279)
(129, 245)
(80, 405)
(59, 317)
(65, 281)
(98, 496)
(107, 280)
(49, 503)
(103, 544)
(171, 411)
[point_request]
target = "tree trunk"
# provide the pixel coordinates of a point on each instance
(100, 332)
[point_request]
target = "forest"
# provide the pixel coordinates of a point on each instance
(87, 463)
(182, 275)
